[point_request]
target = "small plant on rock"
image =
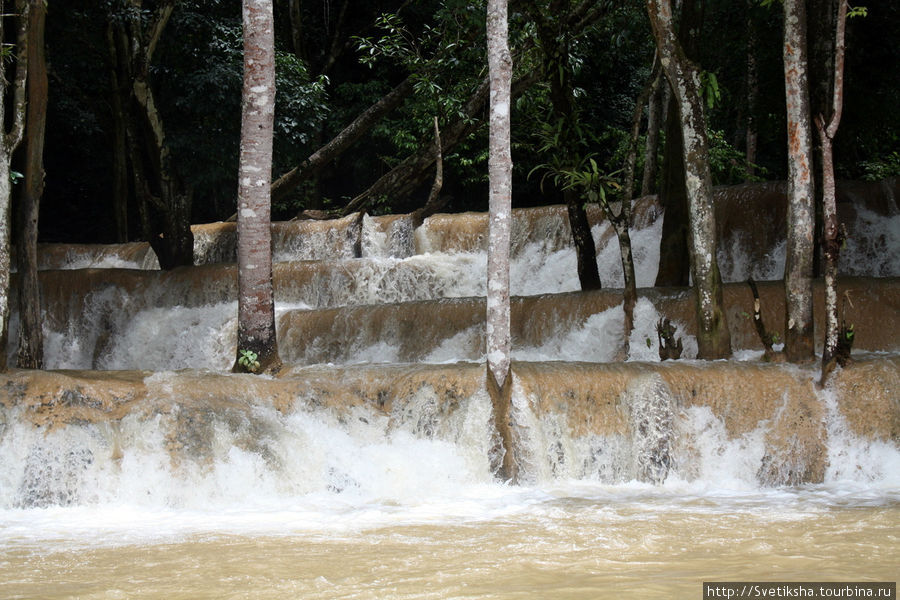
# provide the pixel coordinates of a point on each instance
(249, 361)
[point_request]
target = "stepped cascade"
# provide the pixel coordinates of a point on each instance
(137, 435)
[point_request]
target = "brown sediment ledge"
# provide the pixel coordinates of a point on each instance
(592, 399)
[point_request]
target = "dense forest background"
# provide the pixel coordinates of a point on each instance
(336, 58)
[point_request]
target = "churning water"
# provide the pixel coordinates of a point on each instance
(201, 484)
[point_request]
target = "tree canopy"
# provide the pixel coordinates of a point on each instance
(337, 58)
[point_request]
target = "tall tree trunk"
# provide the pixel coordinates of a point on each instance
(674, 258)
(500, 198)
(31, 340)
(713, 337)
(12, 126)
(831, 238)
(256, 300)
(118, 100)
(651, 146)
(164, 205)
(798, 270)
(555, 37)
(674, 251)
(296, 18)
(751, 137)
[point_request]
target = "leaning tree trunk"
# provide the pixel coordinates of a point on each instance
(256, 300)
(798, 270)
(832, 238)
(497, 329)
(30, 354)
(713, 337)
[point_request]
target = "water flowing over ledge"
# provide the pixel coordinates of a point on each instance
(199, 439)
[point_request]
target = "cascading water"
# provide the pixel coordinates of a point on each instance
(364, 470)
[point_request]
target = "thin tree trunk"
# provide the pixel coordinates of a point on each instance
(12, 127)
(30, 353)
(296, 28)
(651, 147)
(256, 300)
(832, 237)
(118, 101)
(798, 270)
(713, 336)
(164, 206)
(500, 175)
(636, 117)
(555, 37)
(752, 136)
(433, 203)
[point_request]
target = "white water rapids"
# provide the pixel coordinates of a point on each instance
(239, 495)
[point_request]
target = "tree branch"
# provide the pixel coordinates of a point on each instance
(285, 184)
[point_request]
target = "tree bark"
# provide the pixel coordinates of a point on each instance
(30, 353)
(674, 251)
(12, 126)
(256, 300)
(674, 257)
(411, 172)
(751, 137)
(164, 205)
(713, 337)
(555, 37)
(651, 147)
(296, 28)
(434, 202)
(500, 197)
(118, 101)
(832, 237)
(798, 270)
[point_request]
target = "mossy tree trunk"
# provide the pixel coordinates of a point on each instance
(713, 336)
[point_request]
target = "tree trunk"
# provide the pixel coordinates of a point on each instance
(296, 28)
(713, 337)
(12, 126)
(798, 270)
(118, 100)
(583, 240)
(555, 37)
(674, 258)
(256, 300)
(164, 205)
(832, 236)
(651, 147)
(30, 354)
(751, 137)
(674, 252)
(500, 181)
(636, 118)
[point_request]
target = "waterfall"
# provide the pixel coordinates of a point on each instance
(383, 399)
